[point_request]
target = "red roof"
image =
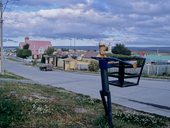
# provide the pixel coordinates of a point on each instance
(35, 45)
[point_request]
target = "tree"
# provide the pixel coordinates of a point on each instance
(19, 52)
(26, 46)
(43, 59)
(26, 53)
(50, 51)
(121, 49)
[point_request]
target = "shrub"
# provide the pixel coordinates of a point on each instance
(168, 72)
(23, 53)
(50, 51)
(121, 49)
(19, 52)
(26, 53)
(34, 63)
(10, 112)
(93, 66)
(43, 59)
(26, 46)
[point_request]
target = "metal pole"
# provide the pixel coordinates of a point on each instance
(105, 92)
(1, 36)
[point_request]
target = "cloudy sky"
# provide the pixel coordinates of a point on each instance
(132, 22)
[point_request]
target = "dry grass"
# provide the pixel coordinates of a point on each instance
(35, 106)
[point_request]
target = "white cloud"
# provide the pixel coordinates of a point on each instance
(90, 19)
(145, 7)
(66, 22)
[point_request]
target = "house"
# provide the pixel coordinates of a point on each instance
(90, 54)
(37, 47)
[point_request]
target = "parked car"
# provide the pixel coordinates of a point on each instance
(46, 67)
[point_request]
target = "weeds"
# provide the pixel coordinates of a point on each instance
(35, 106)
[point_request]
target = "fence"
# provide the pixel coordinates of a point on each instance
(149, 70)
(156, 70)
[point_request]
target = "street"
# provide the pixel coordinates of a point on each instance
(150, 95)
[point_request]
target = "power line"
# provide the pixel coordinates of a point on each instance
(5, 6)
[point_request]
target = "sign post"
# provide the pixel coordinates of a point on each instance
(1, 39)
(121, 75)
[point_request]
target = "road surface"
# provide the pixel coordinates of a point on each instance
(151, 96)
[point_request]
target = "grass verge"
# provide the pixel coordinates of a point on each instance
(35, 106)
(157, 77)
(11, 76)
(12, 59)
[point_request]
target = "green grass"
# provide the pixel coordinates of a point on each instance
(12, 59)
(35, 106)
(157, 77)
(10, 76)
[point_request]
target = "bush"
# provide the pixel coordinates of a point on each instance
(34, 63)
(19, 52)
(168, 72)
(26, 53)
(93, 66)
(26, 46)
(10, 112)
(121, 49)
(50, 51)
(43, 59)
(23, 53)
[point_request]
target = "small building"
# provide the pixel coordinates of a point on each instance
(90, 54)
(37, 47)
(70, 64)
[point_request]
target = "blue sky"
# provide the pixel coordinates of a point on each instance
(132, 22)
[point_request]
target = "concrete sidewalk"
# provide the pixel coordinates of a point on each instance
(150, 96)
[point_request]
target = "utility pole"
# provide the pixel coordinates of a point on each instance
(1, 39)
(74, 44)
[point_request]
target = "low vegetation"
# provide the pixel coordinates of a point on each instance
(35, 106)
(25, 52)
(93, 66)
(49, 51)
(12, 59)
(164, 77)
(121, 49)
(10, 75)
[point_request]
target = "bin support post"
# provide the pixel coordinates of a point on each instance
(121, 74)
(105, 92)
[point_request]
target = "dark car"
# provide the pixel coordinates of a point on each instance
(46, 67)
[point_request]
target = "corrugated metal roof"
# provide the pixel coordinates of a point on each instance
(157, 58)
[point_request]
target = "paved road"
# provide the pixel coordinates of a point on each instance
(151, 96)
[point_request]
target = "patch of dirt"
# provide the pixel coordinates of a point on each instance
(81, 110)
(37, 96)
